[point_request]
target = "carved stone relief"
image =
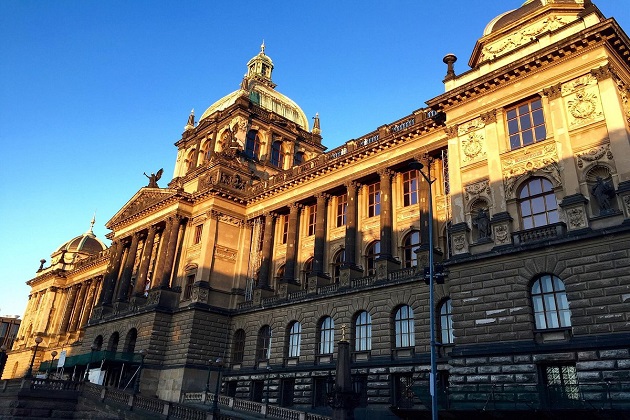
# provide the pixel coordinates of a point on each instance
(502, 234)
(582, 101)
(478, 189)
(523, 36)
(594, 154)
(473, 148)
(576, 218)
(527, 161)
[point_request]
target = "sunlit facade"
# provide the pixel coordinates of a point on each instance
(265, 249)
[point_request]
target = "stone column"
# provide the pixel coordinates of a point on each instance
(350, 270)
(267, 251)
(72, 294)
(145, 262)
(162, 249)
(79, 305)
(289, 267)
(89, 302)
(386, 213)
(320, 234)
(351, 225)
(125, 278)
(167, 268)
(111, 274)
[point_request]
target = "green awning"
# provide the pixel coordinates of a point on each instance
(94, 357)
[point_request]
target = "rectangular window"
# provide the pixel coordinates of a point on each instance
(410, 188)
(374, 199)
(198, 231)
(312, 215)
(561, 383)
(320, 397)
(526, 123)
(342, 208)
(284, 222)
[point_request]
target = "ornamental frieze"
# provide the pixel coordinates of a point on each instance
(226, 218)
(594, 154)
(469, 126)
(481, 188)
(308, 242)
(528, 160)
(406, 215)
(225, 253)
(578, 84)
(522, 37)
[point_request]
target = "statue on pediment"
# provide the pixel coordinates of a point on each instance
(154, 178)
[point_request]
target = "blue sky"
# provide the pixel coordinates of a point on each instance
(93, 93)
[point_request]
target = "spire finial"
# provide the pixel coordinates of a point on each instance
(91, 230)
(262, 47)
(316, 127)
(191, 120)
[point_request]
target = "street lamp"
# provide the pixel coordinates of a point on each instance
(53, 354)
(136, 388)
(432, 376)
(93, 348)
(29, 372)
(3, 359)
(215, 402)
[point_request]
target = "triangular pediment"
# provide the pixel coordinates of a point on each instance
(144, 199)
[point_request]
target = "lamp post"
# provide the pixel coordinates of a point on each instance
(432, 376)
(53, 354)
(208, 378)
(93, 348)
(29, 372)
(215, 401)
(3, 359)
(136, 388)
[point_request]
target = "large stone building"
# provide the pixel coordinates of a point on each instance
(264, 245)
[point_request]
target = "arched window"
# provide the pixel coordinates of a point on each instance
(263, 348)
(371, 254)
(112, 344)
(326, 336)
(537, 203)
(549, 299)
(190, 161)
(446, 322)
(276, 154)
(404, 327)
(98, 343)
(411, 244)
(280, 272)
(298, 158)
(130, 340)
(252, 145)
(238, 346)
(338, 260)
(295, 339)
(363, 332)
(307, 268)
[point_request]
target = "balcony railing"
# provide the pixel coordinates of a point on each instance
(541, 233)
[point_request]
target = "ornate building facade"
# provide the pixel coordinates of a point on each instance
(264, 244)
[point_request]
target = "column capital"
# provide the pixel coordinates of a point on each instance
(553, 92)
(321, 196)
(294, 207)
(385, 173)
(352, 185)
